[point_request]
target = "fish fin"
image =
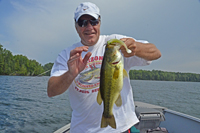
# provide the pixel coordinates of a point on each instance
(116, 74)
(118, 102)
(99, 99)
(125, 74)
(108, 121)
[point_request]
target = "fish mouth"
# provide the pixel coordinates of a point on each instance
(114, 63)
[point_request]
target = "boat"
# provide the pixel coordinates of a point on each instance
(153, 116)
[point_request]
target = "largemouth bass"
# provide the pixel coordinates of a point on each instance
(111, 81)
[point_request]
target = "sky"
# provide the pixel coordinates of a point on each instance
(40, 29)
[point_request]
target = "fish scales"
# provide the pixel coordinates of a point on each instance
(111, 89)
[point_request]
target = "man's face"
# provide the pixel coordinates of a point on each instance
(90, 34)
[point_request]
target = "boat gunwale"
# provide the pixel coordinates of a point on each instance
(182, 115)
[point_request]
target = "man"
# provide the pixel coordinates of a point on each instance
(77, 69)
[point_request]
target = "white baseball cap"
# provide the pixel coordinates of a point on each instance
(86, 8)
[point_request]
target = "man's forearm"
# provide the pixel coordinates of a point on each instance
(147, 51)
(58, 85)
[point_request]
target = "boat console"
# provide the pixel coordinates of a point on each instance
(153, 116)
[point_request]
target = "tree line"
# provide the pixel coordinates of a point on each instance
(20, 65)
(163, 76)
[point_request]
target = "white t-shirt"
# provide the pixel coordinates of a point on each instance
(87, 113)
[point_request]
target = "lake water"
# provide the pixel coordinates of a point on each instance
(25, 106)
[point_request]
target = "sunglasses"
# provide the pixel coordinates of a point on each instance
(84, 23)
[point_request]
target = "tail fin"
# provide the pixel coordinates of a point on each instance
(108, 121)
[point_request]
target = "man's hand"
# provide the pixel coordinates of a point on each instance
(59, 84)
(130, 43)
(146, 51)
(76, 63)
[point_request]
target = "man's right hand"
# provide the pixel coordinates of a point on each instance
(76, 63)
(59, 84)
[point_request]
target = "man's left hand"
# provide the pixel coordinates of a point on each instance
(131, 44)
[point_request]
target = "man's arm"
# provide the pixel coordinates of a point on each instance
(146, 51)
(76, 64)
(58, 85)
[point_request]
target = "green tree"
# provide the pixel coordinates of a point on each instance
(47, 67)
(1, 59)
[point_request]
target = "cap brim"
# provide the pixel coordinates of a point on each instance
(96, 16)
